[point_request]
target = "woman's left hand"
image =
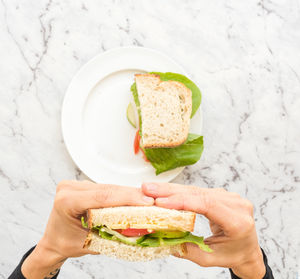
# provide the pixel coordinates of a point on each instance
(64, 235)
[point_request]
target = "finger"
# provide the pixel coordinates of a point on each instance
(110, 197)
(219, 257)
(104, 196)
(201, 203)
(166, 189)
(81, 237)
(198, 256)
(84, 185)
(75, 185)
(217, 238)
(80, 185)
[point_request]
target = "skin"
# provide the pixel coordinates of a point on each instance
(234, 240)
(64, 235)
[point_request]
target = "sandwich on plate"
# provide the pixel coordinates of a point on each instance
(140, 233)
(164, 104)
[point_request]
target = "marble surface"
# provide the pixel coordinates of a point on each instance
(245, 57)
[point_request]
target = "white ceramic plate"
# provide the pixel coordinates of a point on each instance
(94, 124)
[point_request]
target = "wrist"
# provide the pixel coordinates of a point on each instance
(253, 267)
(42, 262)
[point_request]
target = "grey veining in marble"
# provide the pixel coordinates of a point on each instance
(245, 57)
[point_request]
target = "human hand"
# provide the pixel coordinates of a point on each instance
(64, 235)
(234, 240)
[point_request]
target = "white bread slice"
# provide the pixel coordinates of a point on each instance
(120, 250)
(142, 217)
(166, 108)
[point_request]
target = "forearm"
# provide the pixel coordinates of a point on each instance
(41, 263)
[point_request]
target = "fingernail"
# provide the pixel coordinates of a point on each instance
(162, 200)
(148, 200)
(151, 187)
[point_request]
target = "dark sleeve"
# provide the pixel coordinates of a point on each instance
(17, 274)
(268, 275)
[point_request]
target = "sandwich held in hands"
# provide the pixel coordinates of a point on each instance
(165, 103)
(140, 233)
(233, 241)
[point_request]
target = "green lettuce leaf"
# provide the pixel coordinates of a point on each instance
(148, 241)
(135, 95)
(83, 223)
(196, 93)
(104, 235)
(190, 238)
(137, 104)
(163, 159)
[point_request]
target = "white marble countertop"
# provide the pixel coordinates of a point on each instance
(245, 57)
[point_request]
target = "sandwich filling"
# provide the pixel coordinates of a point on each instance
(148, 238)
(188, 153)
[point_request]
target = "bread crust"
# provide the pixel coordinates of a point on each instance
(169, 145)
(88, 240)
(147, 75)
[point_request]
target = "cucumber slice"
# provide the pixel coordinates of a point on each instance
(131, 115)
(119, 237)
(169, 234)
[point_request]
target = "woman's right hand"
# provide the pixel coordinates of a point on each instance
(234, 240)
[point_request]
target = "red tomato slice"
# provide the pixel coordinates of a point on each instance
(136, 144)
(134, 232)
